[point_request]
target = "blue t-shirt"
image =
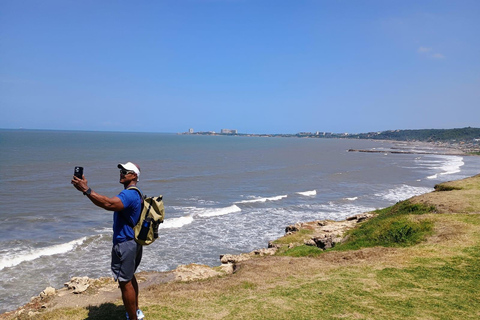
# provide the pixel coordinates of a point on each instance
(125, 220)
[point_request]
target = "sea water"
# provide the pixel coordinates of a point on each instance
(222, 194)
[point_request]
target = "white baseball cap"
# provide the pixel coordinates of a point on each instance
(131, 167)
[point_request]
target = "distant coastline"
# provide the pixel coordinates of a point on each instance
(467, 140)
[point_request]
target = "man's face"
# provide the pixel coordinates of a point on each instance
(127, 176)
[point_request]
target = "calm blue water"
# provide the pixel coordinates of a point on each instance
(222, 195)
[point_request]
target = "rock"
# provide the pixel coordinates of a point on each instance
(78, 284)
(227, 268)
(265, 252)
(363, 217)
(49, 291)
(273, 245)
(326, 242)
(359, 217)
(293, 228)
(232, 258)
(194, 272)
(310, 242)
(18, 313)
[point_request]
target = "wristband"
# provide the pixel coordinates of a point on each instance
(87, 193)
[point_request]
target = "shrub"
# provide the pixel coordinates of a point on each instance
(445, 187)
(403, 231)
(393, 226)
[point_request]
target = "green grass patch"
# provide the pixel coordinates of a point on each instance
(394, 226)
(445, 187)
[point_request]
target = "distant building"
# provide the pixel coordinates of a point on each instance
(190, 130)
(228, 131)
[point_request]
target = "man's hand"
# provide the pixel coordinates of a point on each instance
(111, 204)
(80, 184)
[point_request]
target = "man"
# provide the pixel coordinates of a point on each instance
(126, 253)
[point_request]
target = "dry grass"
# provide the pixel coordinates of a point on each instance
(463, 198)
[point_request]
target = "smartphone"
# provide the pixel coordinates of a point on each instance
(78, 172)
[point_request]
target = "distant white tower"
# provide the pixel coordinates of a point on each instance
(190, 130)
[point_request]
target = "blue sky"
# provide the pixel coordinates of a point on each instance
(258, 66)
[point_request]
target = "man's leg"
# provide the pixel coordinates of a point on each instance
(135, 287)
(130, 297)
(126, 257)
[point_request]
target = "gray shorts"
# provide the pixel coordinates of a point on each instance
(126, 257)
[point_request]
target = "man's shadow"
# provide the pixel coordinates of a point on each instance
(106, 311)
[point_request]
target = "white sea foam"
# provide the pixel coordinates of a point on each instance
(11, 261)
(351, 199)
(212, 212)
(263, 199)
(447, 165)
(176, 222)
(337, 211)
(453, 165)
(403, 192)
(308, 193)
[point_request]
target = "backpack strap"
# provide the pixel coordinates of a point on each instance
(141, 203)
(142, 197)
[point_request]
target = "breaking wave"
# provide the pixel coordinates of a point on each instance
(276, 198)
(213, 212)
(14, 260)
(308, 193)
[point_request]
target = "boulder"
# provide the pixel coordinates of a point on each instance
(234, 258)
(193, 272)
(293, 228)
(271, 244)
(49, 291)
(78, 284)
(227, 268)
(321, 223)
(359, 217)
(265, 252)
(325, 241)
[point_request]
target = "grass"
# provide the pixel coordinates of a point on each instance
(394, 226)
(301, 251)
(428, 267)
(445, 187)
(294, 237)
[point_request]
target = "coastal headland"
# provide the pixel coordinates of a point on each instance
(424, 265)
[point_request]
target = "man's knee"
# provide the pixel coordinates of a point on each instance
(125, 284)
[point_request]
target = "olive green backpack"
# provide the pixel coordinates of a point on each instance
(153, 213)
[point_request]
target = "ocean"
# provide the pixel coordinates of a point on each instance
(222, 194)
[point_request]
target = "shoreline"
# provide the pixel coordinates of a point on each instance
(85, 291)
(189, 272)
